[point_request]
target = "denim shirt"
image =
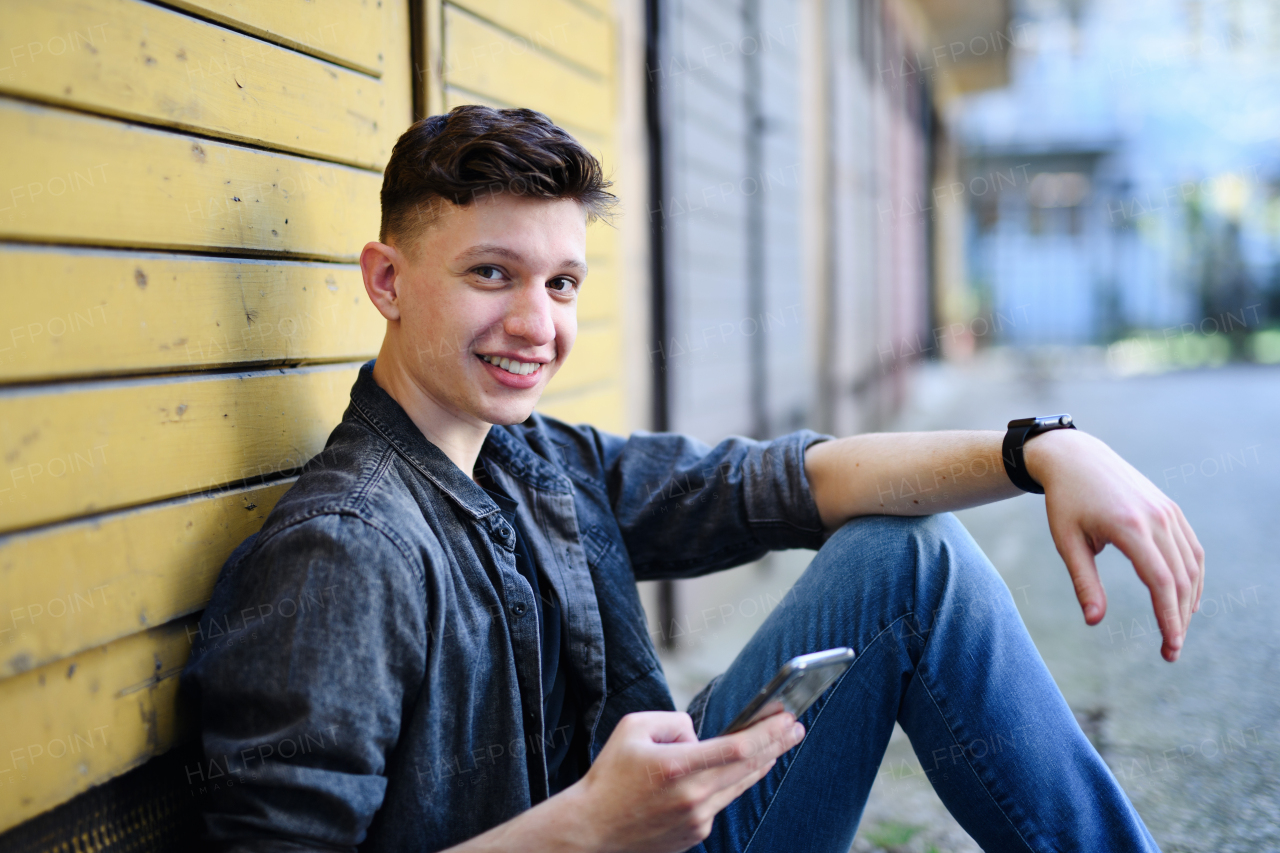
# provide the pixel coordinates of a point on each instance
(367, 672)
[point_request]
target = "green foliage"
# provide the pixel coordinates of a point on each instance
(891, 834)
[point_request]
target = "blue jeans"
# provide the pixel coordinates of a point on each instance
(941, 650)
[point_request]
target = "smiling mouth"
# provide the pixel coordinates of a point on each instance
(519, 368)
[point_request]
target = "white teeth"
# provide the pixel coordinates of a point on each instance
(519, 368)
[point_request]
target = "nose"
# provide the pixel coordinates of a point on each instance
(529, 315)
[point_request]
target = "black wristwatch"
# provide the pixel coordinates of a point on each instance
(1019, 431)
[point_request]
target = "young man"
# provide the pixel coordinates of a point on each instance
(435, 640)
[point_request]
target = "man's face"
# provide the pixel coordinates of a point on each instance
(491, 283)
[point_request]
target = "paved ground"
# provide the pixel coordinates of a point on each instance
(1195, 744)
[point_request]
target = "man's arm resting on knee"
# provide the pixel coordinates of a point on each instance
(654, 788)
(1092, 496)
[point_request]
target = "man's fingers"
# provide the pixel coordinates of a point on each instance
(1164, 534)
(731, 781)
(736, 748)
(1197, 551)
(664, 726)
(1158, 577)
(1078, 555)
(1192, 568)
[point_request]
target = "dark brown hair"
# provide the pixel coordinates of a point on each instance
(476, 151)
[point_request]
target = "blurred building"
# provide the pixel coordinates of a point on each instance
(1113, 186)
(799, 239)
(189, 187)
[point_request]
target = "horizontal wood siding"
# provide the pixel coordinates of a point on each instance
(115, 574)
(90, 447)
(577, 35)
(348, 32)
(487, 61)
(153, 65)
(73, 178)
(184, 193)
(89, 312)
(78, 722)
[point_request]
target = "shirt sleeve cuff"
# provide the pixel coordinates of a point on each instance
(779, 500)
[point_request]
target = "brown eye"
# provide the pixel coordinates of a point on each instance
(568, 284)
(488, 273)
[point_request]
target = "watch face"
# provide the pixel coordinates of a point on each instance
(1022, 422)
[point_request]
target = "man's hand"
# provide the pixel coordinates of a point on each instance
(1093, 498)
(655, 788)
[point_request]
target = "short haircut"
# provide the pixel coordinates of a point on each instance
(476, 151)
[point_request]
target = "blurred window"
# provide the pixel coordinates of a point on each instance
(1058, 189)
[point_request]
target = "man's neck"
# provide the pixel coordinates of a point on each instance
(458, 437)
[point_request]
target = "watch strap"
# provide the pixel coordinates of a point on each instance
(1015, 438)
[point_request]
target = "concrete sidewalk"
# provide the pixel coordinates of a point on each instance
(1195, 744)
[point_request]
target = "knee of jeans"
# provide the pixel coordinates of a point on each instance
(919, 551)
(895, 533)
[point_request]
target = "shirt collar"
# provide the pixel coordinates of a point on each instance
(374, 405)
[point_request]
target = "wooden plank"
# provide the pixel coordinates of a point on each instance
(153, 65)
(575, 34)
(99, 312)
(602, 236)
(348, 33)
(482, 60)
(85, 448)
(429, 73)
(72, 178)
(76, 723)
(399, 76)
(77, 586)
(595, 357)
(599, 296)
(454, 96)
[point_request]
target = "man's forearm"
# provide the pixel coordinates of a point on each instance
(906, 473)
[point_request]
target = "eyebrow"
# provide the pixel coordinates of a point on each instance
(492, 249)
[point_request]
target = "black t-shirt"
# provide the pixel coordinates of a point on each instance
(563, 738)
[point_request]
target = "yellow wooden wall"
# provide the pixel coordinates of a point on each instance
(183, 196)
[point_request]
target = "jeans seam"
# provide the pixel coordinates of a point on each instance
(783, 780)
(969, 764)
(839, 683)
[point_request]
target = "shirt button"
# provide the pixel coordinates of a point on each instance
(518, 608)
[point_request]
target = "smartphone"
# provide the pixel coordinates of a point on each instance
(796, 686)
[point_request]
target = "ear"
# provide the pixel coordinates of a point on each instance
(382, 267)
